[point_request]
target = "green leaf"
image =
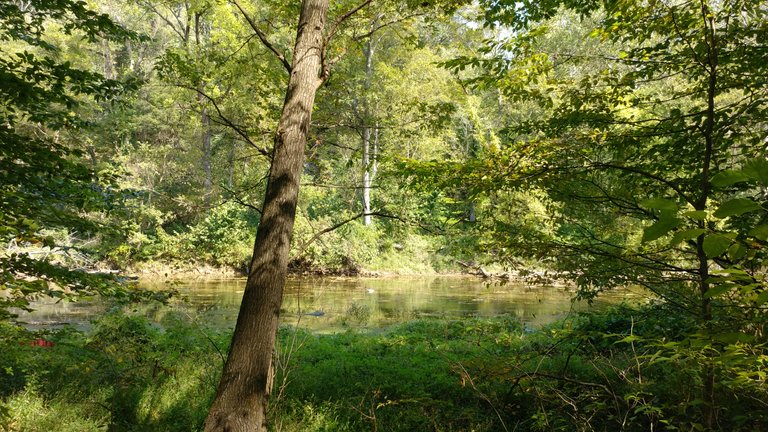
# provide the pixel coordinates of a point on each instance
(662, 226)
(628, 339)
(718, 290)
(761, 298)
(736, 251)
(736, 207)
(732, 337)
(729, 177)
(760, 232)
(698, 215)
(757, 169)
(659, 204)
(730, 274)
(686, 235)
(715, 245)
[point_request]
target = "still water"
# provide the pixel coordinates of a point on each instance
(333, 304)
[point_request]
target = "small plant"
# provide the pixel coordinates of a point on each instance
(359, 313)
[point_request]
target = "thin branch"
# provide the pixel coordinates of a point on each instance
(263, 37)
(338, 225)
(336, 186)
(649, 175)
(227, 122)
(386, 24)
(326, 64)
(235, 198)
(177, 30)
(334, 227)
(343, 18)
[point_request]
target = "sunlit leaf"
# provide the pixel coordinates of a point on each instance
(698, 215)
(659, 204)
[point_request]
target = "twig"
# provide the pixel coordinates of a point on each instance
(466, 378)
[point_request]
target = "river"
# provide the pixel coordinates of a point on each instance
(333, 304)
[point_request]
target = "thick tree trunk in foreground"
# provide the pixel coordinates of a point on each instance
(243, 392)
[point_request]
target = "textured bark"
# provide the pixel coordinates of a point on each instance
(243, 392)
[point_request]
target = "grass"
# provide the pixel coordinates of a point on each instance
(599, 371)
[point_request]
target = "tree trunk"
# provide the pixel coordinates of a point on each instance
(367, 159)
(207, 158)
(243, 392)
(231, 165)
(109, 63)
(709, 407)
(366, 175)
(201, 32)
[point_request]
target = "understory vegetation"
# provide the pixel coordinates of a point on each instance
(223, 239)
(627, 368)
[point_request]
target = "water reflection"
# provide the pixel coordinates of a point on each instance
(331, 304)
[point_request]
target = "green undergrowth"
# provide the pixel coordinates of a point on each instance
(622, 369)
(222, 237)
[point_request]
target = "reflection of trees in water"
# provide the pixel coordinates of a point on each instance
(351, 302)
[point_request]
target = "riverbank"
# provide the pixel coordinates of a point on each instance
(186, 270)
(627, 368)
(152, 271)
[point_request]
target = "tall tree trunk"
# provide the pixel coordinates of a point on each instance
(370, 159)
(201, 32)
(366, 175)
(207, 149)
(246, 382)
(367, 166)
(231, 165)
(709, 410)
(109, 63)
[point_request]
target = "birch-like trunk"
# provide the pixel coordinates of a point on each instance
(368, 160)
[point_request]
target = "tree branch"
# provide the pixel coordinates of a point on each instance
(317, 235)
(326, 65)
(338, 225)
(227, 122)
(263, 38)
(386, 24)
(649, 175)
(178, 30)
(341, 19)
(235, 198)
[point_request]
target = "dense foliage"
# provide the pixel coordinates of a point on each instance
(641, 129)
(604, 143)
(49, 194)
